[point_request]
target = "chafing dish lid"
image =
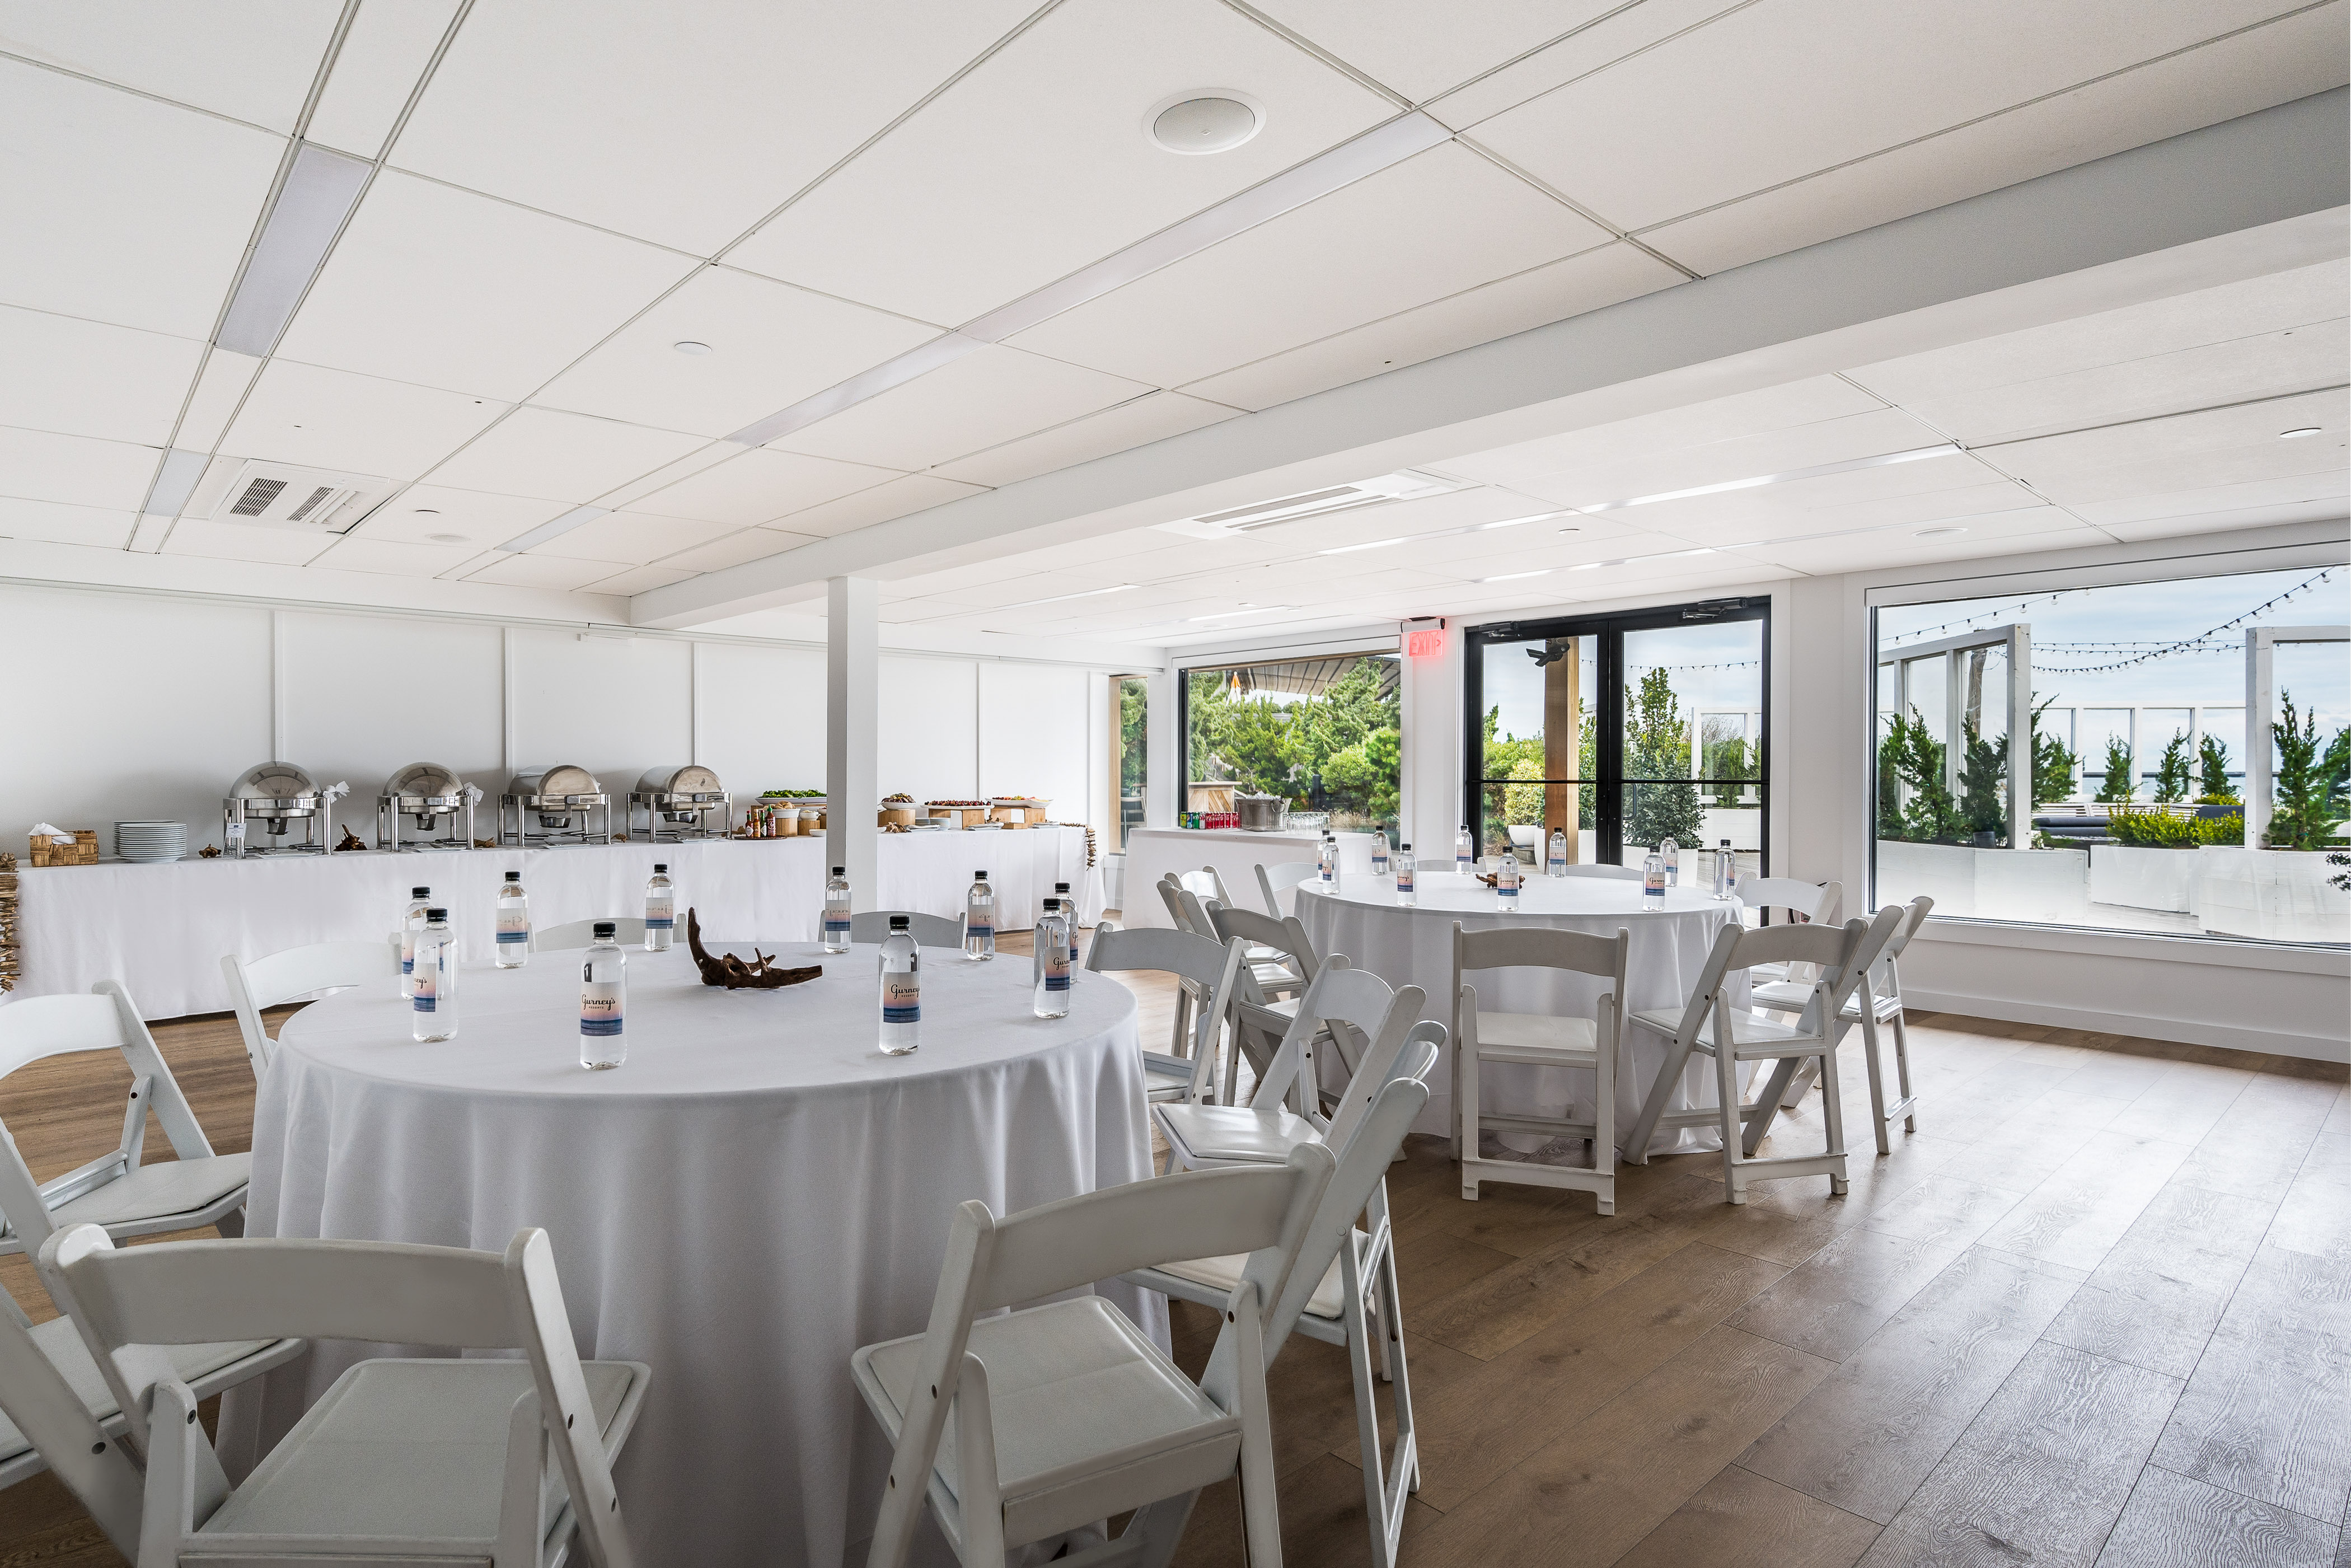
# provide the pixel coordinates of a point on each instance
(272, 781)
(691, 780)
(424, 781)
(566, 780)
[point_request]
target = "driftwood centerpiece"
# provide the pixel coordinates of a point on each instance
(727, 970)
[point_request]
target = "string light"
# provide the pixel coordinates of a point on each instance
(2200, 643)
(1967, 621)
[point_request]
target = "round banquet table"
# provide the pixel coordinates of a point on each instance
(757, 1192)
(1414, 946)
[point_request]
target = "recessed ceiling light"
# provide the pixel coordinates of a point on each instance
(1375, 544)
(688, 346)
(1938, 533)
(1201, 122)
(446, 539)
(1514, 576)
(2302, 431)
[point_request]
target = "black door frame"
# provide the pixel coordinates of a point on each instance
(1608, 748)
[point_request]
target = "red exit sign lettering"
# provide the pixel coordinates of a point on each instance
(1424, 644)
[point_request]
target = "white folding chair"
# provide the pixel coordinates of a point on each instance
(1612, 873)
(1275, 880)
(400, 1462)
(298, 972)
(114, 1190)
(629, 931)
(1536, 1039)
(1877, 1001)
(928, 930)
(1799, 902)
(1266, 1129)
(1216, 970)
(1711, 1025)
(1344, 1280)
(1279, 961)
(1037, 1423)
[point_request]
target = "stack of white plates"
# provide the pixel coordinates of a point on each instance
(150, 843)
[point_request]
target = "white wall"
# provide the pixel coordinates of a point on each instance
(149, 706)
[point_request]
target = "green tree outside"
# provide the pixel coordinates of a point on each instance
(2212, 785)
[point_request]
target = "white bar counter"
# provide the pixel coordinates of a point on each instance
(162, 930)
(1152, 853)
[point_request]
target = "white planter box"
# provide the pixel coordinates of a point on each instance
(2050, 885)
(2143, 878)
(2278, 895)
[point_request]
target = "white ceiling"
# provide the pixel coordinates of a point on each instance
(812, 190)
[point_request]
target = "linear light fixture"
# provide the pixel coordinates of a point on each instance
(1637, 559)
(303, 221)
(555, 527)
(1514, 522)
(1062, 598)
(1233, 614)
(1514, 576)
(1818, 471)
(174, 481)
(1372, 544)
(1381, 147)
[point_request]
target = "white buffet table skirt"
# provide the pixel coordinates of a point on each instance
(1152, 853)
(1415, 948)
(754, 1194)
(161, 929)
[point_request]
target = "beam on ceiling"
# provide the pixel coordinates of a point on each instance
(2239, 199)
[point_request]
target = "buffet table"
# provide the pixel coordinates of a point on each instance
(1236, 852)
(162, 929)
(755, 1192)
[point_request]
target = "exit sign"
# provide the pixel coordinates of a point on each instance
(1424, 644)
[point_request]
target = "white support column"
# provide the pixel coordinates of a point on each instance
(1163, 791)
(851, 714)
(2020, 738)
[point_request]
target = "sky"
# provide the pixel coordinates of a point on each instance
(1690, 654)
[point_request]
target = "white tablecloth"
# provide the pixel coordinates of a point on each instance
(1415, 948)
(1152, 853)
(161, 929)
(756, 1192)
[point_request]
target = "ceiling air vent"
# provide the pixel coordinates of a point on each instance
(280, 496)
(1404, 485)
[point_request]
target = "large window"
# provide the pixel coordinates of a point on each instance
(2157, 757)
(1622, 732)
(1326, 735)
(1130, 761)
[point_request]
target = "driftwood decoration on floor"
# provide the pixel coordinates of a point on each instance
(731, 972)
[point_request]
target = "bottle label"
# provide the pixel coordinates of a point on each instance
(513, 927)
(978, 927)
(1404, 880)
(1057, 968)
(1379, 862)
(425, 997)
(407, 954)
(1653, 884)
(660, 914)
(836, 926)
(902, 998)
(600, 1009)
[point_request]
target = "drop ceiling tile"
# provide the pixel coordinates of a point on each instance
(1444, 221)
(736, 550)
(633, 537)
(56, 522)
(443, 287)
(563, 456)
(249, 59)
(2043, 528)
(1739, 457)
(220, 388)
(360, 425)
(1774, 93)
(393, 558)
(773, 345)
(149, 205)
(2186, 451)
(240, 541)
(1865, 498)
(2242, 500)
(1619, 31)
(37, 466)
(758, 486)
(1130, 424)
(537, 571)
(1019, 591)
(641, 580)
(695, 461)
(1394, 43)
(984, 172)
(894, 498)
(480, 519)
(993, 569)
(2324, 509)
(987, 397)
(382, 58)
(682, 125)
(1539, 296)
(84, 378)
(1784, 407)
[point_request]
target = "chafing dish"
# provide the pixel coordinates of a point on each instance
(678, 803)
(554, 805)
(276, 795)
(419, 797)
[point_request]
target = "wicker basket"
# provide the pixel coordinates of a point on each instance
(83, 851)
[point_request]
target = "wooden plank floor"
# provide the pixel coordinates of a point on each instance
(2097, 1311)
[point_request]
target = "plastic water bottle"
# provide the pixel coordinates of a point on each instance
(603, 1001)
(433, 996)
(1653, 877)
(979, 919)
(1407, 874)
(1506, 881)
(1326, 865)
(1465, 851)
(1379, 851)
(412, 920)
(836, 911)
(514, 923)
(660, 910)
(902, 989)
(1053, 962)
(1672, 854)
(1557, 864)
(1726, 873)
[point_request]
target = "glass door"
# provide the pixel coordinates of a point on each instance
(1619, 732)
